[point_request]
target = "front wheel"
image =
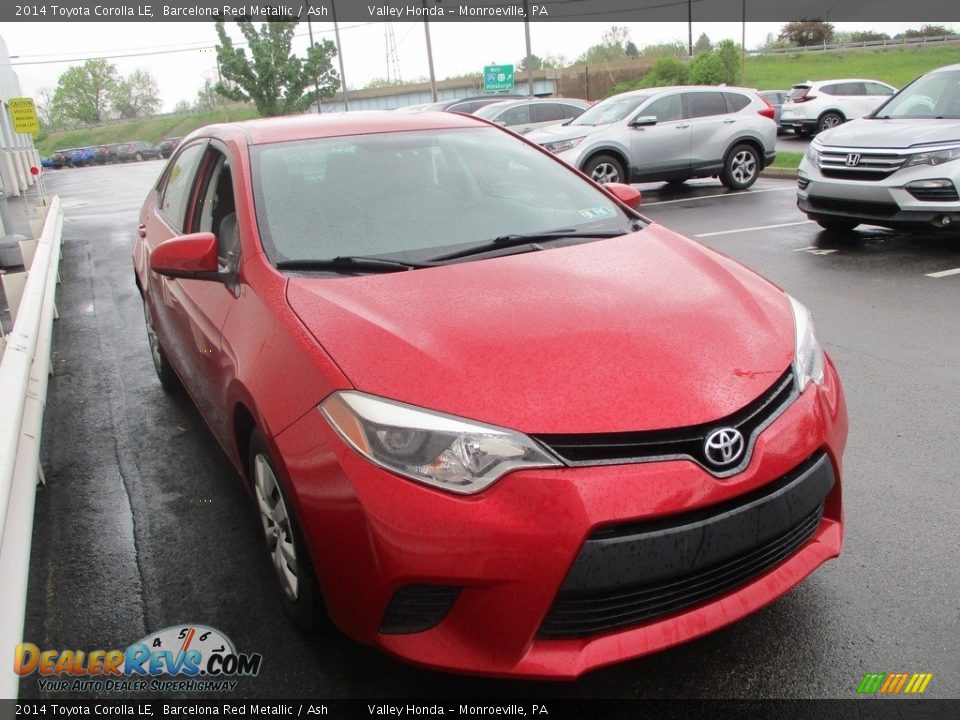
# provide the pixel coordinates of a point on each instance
(741, 168)
(288, 555)
(605, 169)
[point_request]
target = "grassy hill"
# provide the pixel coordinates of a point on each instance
(897, 67)
(152, 129)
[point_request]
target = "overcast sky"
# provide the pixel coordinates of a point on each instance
(458, 48)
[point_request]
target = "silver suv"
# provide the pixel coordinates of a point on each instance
(897, 167)
(671, 134)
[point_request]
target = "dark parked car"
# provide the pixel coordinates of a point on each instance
(81, 157)
(105, 154)
(168, 145)
(60, 159)
(469, 104)
(47, 163)
(137, 150)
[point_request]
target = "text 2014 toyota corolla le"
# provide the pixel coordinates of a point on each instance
(494, 420)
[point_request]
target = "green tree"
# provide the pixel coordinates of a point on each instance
(45, 112)
(83, 91)
(665, 49)
(183, 107)
(807, 32)
(665, 71)
(927, 31)
(631, 50)
(207, 97)
(706, 69)
(702, 45)
(867, 36)
(612, 47)
(136, 95)
(731, 60)
(536, 63)
(273, 78)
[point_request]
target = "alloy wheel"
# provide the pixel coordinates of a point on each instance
(276, 527)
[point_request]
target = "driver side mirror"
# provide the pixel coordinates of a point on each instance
(627, 194)
(192, 257)
(644, 120)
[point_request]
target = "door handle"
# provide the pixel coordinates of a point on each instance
(141, 231)
(727, 121)
(682, 126)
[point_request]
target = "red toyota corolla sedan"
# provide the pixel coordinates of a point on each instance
(495, 421)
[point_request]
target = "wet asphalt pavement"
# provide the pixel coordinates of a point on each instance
(143, 523)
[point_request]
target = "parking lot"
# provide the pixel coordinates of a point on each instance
(143, 523)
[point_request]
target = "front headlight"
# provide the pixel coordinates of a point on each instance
(454, 454)
(813, 154)
(562, 145)
(933, 157)
(808, 355)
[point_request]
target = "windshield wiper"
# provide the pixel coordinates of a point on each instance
(506, 241)
(350, 263)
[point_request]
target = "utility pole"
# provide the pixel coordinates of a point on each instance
(433, 78)
(690, 28)
(743, 46)
(526, 32)
(316, 80)
(343, 77)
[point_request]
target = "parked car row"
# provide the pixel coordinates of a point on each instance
(106, 154)
(814, 106)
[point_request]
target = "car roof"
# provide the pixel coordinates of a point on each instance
(677, 88)
(808, 83)
(306, 127)
(534, 101)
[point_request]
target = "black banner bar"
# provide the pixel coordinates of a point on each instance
(604, 11)
(572, 709)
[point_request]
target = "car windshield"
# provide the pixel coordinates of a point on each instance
(936, 95)
(611, 110)
(416, 195)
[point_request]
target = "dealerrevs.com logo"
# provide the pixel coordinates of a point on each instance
(200, 658)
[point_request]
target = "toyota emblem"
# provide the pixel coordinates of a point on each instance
(724, 447)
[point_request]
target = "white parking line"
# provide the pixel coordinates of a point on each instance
(716, 197)
(751, 229)
(944, 273)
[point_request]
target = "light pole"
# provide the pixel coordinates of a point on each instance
(433, 78)
(316, 80)
(343, 77)
(690, 28)
(529, 63)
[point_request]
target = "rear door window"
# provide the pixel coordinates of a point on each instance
(735, 101)
(704, 104)
(519, 115)
(547, 112)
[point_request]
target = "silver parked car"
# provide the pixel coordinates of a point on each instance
(522, 116)
(671, 134)
(897, 167)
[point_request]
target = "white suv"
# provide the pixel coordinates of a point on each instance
(671, 134)
(817, 106)
(897, 167)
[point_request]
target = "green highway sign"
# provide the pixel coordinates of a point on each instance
(497, 77)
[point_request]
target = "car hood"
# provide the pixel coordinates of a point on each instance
(555, 133)
(646, 331)
(894, 133)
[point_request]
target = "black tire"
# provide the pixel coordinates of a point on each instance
(802, 132)
(169, 379)
(605, 169)
(741, 167)
(829, 120)
(838, 226)
(300, 596)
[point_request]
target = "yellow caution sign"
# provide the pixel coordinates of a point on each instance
(24, 115)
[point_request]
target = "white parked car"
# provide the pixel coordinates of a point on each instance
(522, 116)
(818, 106)
(897, 167)
(671, 134)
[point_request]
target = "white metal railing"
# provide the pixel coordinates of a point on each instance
(24, 369)
(885, 42)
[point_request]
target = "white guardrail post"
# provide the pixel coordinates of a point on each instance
(24, 369)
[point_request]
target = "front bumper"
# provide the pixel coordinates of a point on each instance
(510, 554)
(886, 202)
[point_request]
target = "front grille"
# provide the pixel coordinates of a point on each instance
(868, 166)
(577, 613)
(681, 443)
(934, 194)
(415, 608)
(854, 207)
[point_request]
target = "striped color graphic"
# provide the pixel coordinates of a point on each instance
(894, 683)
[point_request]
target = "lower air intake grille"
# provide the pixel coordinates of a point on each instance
(577, 615)
(415, 608)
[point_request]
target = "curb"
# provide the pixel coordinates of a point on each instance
(775, 172)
